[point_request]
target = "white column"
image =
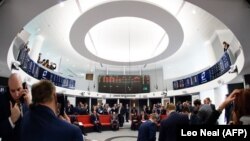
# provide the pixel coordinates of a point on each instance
(219, 96)
(124, 70)
(118, 101)
(35, 47)
(90, 104)
(148, 102)
(104, 100)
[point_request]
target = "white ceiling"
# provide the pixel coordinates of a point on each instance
(55, 25)
(126, 39)
(121, 39)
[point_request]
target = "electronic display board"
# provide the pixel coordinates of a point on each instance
(38, 72)
(218, 69)
(124, 84)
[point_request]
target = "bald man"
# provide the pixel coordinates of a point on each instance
(13, 105)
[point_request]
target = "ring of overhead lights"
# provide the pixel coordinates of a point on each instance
(114, 9)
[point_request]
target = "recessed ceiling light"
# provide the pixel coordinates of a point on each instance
(61, 4)
(194, 12)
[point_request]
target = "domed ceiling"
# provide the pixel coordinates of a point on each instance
(117, 34)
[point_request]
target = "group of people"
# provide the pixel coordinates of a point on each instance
(117, 111)
(202, 114)
(23, 119)
(46, 63)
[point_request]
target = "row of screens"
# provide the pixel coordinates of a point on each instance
(221, 67)
(124, 84)
(35, 70)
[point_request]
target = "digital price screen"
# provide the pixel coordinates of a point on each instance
(218, 69)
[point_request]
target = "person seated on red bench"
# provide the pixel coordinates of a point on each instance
(73, 120)
(135, 121)
(69, 118)
(114, 121)
(94, 118)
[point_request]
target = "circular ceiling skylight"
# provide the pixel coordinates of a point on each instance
(126, 39)
(87, 40)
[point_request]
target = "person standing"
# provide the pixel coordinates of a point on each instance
(13, 105)
(41, 122)
(121, 112)
(209, 102)
(127, 112)
(147, 130)
(169, 125)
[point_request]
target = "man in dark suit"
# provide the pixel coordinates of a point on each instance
(147, 130)
(169, 125)
(121, 113)
(209, 102)
(41, 122)
(127, 112)
(13, 105)
(95, 120)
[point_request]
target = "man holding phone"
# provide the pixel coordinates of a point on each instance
(41, 122)
(13, 105)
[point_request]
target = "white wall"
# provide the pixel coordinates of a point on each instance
(207, 93)
(72, 100)
(219, 95)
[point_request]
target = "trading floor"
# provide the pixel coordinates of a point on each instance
(123, 134)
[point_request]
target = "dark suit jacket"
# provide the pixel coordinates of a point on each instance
(169, 124)
(94, 118)
(147, 131)
(212, 106)
(7, 133)
(41, 124)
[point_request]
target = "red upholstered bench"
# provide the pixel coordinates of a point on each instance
(105, 120)
(163, 117)
(85, 120)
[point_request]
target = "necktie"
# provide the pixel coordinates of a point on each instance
(21, 108)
